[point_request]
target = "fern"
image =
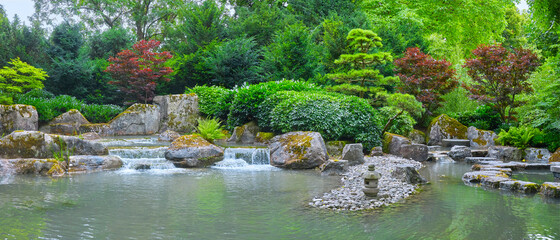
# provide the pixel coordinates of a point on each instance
(210, 129)
(519, 137)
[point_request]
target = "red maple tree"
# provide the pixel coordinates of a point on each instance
(137, 72)
(499, 76)
(425, 78)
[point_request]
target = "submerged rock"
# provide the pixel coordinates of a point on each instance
(193, 151)
(35, 144)
(18, 117)
(178, 112)
(445, 127)
(298, 150)
(354, 153)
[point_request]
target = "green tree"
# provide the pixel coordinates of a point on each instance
(19, 78)
(109, 43)
(291, 55)
(404, 104)
(362, 61)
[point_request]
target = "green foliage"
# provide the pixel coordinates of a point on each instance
(335, 116)
(233, 63)
(212, 100)
(110, 42)
(291, 55)
(97, 113)
(210, 129)
(20, 41)
(484, 117)
(38, 93)
(519, 137)
(245, 105)
(402, 124)
(20, 78)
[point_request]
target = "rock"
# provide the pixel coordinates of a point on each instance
(168, 136)
(455, 142)
(550, 189)
(445, 127)
(264, 137)
(555, 170)
(504, 153)
(417, 152)
(67, 123)
(298, 150)
(435, 148)
(481, 138)
(245, 134)
(376, 151)
(334, 148)
(417, 136)
(537, 155)
(90, 136)
(18, 117)
(392, 143)
(482, 160)
(35, 144)
(142, 167)
(407, 173)
(555, 157)
(334, 167)
(193, 151)
(520, 186)
(178, 112)
(87, 163)
(479, 152)
(138, 119)
(354, 153)
(459, 153)
(102, 129)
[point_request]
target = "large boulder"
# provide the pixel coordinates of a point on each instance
(138, 119)
(445, 127)
(190, 151)
(35, 144)
(354, 153)
(298, 150)
(459, 153)
(67, 123)
(245, 134)
(417, 136)
(18, 117)
(392, 143)
(505, 153)
(481, 138)
(537, 155)
(178, 112)
(416, 152)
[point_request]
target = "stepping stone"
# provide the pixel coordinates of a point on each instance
(492, 168)
(550, 189)
(455, 142)
(482, 160)
(479, 176)
(520, 186)
(494, 182)
(555, 170)
(537, 166)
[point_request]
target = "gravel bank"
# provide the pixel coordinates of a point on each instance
(350, 196)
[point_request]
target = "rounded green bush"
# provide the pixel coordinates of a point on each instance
(213, 101)
(402, 125)
(335, 116)
(245, 105)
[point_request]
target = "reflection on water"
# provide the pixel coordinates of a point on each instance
(233, 204)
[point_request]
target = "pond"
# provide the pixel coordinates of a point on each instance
(258, 202)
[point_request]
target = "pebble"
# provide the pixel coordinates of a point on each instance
(350, 196)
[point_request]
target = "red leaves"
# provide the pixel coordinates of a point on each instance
(137, 71)
(500, 75)
(425, 77)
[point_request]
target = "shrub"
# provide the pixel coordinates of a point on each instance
(402, 125)
(38, 93)
(244, 106)
(335, 116)
(210, 129)
(520, 137)
(211, 100)
(96, 113)
(484, 117)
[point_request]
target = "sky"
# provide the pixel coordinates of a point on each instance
(24, 8)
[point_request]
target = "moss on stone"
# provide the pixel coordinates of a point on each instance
(449, 126)
(555, 157)
(297, 144)
(192, 140)
(264, 136)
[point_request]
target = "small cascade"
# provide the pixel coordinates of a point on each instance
(245, 158)
(442, 157)
(140, 154)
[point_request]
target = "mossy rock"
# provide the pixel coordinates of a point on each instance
(392, 143)
(18, 117)
(445, 127)
(190, 151)
(298, 150)
(138, 119)
(555, 157)
(264, 137)
(417, 136)
(178, 112)
(550, 189)
(334, 148)
(245, 134)
(481, 138)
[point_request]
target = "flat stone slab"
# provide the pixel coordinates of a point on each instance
(507, 171)
(494, 182)
(520, 186)
(555, 170)
(526, 166)
(550, 189)
(455, 142)
(482, 160)
(478, 176)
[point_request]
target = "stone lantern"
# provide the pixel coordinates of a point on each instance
(371, 180)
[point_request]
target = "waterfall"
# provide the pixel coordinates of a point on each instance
(245, 158)
(140, 154)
